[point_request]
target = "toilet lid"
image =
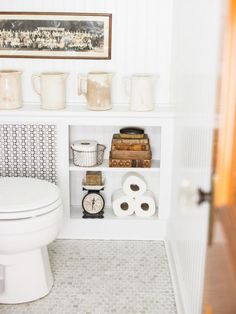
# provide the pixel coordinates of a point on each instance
(19, 196)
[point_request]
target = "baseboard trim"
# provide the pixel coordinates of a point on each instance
(114, 229)
(175, 279)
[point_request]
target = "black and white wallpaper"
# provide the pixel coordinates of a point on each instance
(28, 150)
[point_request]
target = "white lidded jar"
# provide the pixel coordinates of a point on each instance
(10, 89)
(84, 153)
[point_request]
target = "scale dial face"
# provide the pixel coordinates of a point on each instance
(93, 203)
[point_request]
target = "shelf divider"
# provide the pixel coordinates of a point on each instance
(105, 167)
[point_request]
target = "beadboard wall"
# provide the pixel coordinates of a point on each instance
(141, 43)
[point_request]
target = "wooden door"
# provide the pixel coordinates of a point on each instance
(224, 178)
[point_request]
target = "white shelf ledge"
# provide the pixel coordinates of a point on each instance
(105, 167)
(76, 212)
(112, 227)
(78, 111)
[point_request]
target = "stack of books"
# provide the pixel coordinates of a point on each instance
(130, 150)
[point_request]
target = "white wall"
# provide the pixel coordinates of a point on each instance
(141, 42)
(195, 69)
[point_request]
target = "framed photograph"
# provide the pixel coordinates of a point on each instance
(55, 35)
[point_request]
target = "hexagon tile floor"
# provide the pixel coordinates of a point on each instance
(105, 277)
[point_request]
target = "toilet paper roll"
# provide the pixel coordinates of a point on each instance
(134, 184)
(122, 204)
(86, 153)
(145, 205)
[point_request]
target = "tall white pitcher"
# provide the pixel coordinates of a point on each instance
(51, 87)
(96, 87)
(140, 88)
(10, 89)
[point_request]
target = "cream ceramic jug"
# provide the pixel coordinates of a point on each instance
(10, 89)
(51, 87)
(96, 87)
(140, 88)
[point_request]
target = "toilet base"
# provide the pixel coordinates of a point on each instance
(25, 277)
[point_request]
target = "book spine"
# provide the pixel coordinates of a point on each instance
(132, 136)
(133, 147)
(130, 163)
(130, 141)
(134, 155)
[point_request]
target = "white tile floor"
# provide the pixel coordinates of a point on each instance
(105, 277)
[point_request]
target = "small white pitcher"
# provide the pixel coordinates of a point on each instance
(10, 89)
(140, 88)
(51, 87)
(96, 87)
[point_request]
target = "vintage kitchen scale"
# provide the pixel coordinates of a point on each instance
(93, 202)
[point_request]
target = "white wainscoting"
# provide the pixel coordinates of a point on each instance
(141, 43)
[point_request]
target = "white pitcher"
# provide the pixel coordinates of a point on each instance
(10, 89)
(140, 88)
(51, 87)
(96, 87)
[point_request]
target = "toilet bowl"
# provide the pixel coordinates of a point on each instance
(30, 218)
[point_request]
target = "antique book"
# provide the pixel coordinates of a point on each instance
(124, 163)
(93, 178)
(118, 140)
(124, 146)
(131, 136)
(129, 154)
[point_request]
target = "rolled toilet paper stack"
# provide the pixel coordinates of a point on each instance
(133, 197)
(145, 205)
(123, 205)
(134, 184)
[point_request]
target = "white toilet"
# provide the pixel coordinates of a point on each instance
(30, 218)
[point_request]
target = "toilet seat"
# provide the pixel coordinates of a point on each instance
(22, 198)
(30, 213)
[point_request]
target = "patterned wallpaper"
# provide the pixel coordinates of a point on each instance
(28, 151)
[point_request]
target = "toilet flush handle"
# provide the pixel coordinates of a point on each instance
(2, 280)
